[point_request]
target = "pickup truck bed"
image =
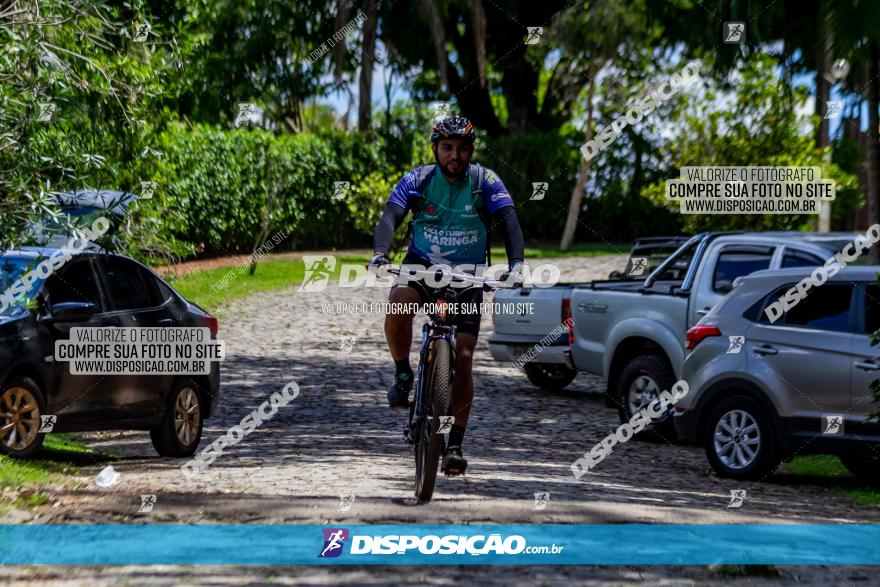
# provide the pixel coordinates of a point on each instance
(660, 287)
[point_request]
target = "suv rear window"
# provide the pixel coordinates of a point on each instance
(872, 308)
(825, 308)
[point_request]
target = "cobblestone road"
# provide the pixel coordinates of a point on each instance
(338, 437)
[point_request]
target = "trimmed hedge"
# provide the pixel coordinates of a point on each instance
(219, 186)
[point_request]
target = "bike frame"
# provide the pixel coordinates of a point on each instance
(419, 411)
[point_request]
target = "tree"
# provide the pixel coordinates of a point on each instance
(270, 52)
(855, 31)
(78, 81)
(604, 33)
(368, 57)
(758, 126)
(475, 51)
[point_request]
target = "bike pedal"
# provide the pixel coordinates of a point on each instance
(450, 472)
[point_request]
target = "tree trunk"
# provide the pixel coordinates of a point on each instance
(872, 152)
(368, 53)
(474, 100)
(438, 38)
(478, 22)
(266, 215)
(577, 194)
(519, 82)
(823, 92)
(343, 15)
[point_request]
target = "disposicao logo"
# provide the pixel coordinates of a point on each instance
(334, 540)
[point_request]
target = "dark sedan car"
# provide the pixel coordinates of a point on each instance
(93, 289)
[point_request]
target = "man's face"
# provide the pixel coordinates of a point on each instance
(453, 156)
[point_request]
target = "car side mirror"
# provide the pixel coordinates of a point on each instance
(724, 287)
(71, 311)
(615, 275)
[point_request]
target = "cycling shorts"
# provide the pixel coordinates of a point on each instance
(470, 298)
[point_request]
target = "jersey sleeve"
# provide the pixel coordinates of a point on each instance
(401, 194)
(494, 192)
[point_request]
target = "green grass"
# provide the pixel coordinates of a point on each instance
(830, 468)
(21, 479)
(271, 274)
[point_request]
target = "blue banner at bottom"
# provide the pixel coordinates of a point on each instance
(431, 544)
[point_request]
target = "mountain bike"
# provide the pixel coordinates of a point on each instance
(433, 384)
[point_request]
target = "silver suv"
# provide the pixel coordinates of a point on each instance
(762, 391)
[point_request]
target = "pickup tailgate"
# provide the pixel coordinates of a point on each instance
(599, 312)
(531, 313)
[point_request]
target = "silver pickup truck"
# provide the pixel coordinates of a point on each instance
(632, 332)
(537, 339)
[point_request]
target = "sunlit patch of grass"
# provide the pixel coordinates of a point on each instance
(830, 467)
(21, 479)
(270, 275)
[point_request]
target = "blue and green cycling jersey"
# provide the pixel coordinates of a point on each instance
(448, 230)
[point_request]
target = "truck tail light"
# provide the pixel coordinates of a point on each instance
(567, 320)
(696, 335)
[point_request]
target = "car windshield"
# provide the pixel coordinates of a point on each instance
(11, 270)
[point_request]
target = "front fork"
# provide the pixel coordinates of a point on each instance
(417, 411)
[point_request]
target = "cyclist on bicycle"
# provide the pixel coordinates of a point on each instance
(455, 205)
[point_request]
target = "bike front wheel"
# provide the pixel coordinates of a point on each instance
(438, 396)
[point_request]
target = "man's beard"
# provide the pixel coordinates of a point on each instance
(445, 170)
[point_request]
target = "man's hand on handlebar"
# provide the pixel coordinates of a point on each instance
(378, 260)
(514, 276)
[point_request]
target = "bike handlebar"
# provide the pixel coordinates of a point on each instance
(488, 284)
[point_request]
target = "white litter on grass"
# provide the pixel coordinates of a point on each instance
(108, 477)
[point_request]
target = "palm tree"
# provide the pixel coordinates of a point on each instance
(855, 32)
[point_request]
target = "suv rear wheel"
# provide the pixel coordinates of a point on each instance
(549, 376)
(740, 439)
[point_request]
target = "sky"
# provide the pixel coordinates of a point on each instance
(339, 100)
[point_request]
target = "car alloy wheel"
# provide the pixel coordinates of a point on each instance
(21, 419)
(642, 391)
(187, 416)
(737, 439)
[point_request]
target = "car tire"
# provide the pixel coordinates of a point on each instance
(752, 452)
(549, 376)
(866, 468)
(21, 405)
(653, 373)
(180, 432)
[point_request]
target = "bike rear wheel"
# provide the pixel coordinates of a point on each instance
(438, 396)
